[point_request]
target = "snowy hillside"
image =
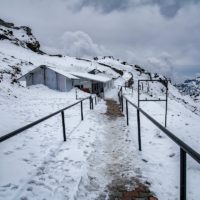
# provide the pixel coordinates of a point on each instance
(37, 165)
(190, 87)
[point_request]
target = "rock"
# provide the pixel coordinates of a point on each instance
(3, 37)
(6, 24)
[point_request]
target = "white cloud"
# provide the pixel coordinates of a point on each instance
(80, 44)
(137, 33)
(161, 64)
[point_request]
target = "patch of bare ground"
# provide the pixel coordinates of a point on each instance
(129, 189)
(113, 109)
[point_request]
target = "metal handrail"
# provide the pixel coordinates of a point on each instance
(184, 148)
(13, 133)
(179, 142)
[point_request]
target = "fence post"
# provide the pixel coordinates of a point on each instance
(90, 102)
(127, 113)
(122, 103)
(82, 110)
(63, 125)
(119, 96)
(182, 174)
(95, 100)
(166, 104)
(139, 133)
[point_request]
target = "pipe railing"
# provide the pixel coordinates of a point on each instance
(16, 132)
(184, 148)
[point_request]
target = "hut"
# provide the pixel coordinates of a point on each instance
(52, 77)
(95, 84)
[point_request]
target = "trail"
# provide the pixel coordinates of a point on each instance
(110, 166)
(96, 162)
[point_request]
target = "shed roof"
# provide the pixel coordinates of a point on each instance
(59, 71)
(63, 72)
(93, 77)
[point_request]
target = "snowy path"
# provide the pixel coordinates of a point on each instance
(110, 160)
(98, 151)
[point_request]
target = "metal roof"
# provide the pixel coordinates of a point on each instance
(59, 71)
(93, 77)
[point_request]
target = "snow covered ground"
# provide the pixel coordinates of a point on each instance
(161, 155)
(37, 164)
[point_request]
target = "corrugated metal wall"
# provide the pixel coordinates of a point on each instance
(38, 76)
(49, 78)
(61, 82)
(29, 80)
(69, 85)
(64, 84)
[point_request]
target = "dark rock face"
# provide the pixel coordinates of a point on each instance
(27, 30)
(24, 39)
(3, 37)
(6, 24)
(35, 46)
(120, 72)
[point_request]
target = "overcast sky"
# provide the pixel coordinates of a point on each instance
(162, 35)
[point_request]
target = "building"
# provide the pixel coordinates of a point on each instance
(53, 78)
(58, 79)
(92, 83)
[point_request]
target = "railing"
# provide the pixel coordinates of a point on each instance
(184, 148)
(16, 132)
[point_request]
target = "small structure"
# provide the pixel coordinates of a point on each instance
(92, 83)
(53, 78)
(58, 79)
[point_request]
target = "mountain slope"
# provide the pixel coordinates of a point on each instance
(37, 163)
(190, 87)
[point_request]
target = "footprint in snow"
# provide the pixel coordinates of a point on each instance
(8, 152)
(85, 152)
(29, 189)
(26, 160)
(43, 145)
(7, 185)
(78, 164)
(24, 198)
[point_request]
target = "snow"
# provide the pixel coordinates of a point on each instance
(93, 77)
(21, 102)
(62, 72)
(162, 154)
(37, 164)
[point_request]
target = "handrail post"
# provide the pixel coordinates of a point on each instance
(119, 96)
(166, 104)
(122, 103)
(95, 100)
(139, 130)
(82, 110)
(127, 117)
(63, 125)
(182, 174)
(90, 102)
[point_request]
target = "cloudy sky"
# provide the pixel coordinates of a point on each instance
(162, 35)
